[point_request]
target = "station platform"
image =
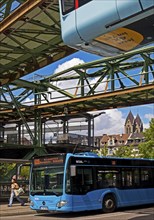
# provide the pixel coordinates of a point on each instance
(16, 209)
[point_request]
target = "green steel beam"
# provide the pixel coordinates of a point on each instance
(18, 54)
(6, 7)
(111, 74)
(28, 85)
(61, 91)
(20, 113)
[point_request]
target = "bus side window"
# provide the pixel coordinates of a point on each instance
(108, 178)
(127, 178)
(136, 178)
(146, 178)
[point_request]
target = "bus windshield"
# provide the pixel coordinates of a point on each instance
(47, 180)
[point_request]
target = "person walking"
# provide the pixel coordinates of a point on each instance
(14, 193)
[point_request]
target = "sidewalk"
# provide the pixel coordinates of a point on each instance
(16, 209)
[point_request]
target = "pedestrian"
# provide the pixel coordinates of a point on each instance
(14, 193)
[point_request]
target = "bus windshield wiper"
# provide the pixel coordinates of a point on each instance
(37, 193)
(52, 193)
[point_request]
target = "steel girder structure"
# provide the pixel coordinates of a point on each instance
(115, 82)
(30, 37)
(121, 81)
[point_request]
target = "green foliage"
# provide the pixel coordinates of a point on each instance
(124, 151)
(24, 172)
(149, 133)
(7, 170)
(102, 151)
(146, 149)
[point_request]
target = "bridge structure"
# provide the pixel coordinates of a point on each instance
(30, 40)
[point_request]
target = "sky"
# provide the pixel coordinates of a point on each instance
(112, 122)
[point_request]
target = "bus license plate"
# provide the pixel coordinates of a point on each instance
(44, 208)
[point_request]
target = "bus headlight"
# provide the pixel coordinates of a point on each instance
(61, 203)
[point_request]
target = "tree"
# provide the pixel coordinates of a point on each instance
(102, 151)
(149, 133)
(124, 151)
(146, 149)
(24, 172)
(6, 170)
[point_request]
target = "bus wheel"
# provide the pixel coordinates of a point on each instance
(109, 203)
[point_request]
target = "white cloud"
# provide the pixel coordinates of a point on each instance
(28, 101)
(145, 126)
(110, 123)
(68, 64)
(67, 85)
(71, 85)
(149, 116)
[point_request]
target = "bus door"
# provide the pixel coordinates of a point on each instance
(82, 184)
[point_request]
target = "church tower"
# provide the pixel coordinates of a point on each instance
(129, 123)
(138, 125)
(133, 125)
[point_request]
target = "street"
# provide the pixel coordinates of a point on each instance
(138, 213)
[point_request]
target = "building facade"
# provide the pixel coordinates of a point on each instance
(133, 135)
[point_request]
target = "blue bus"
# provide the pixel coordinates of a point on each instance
(85, 181)
(107, 27)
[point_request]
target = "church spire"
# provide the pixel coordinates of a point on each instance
(133, 125)
(138, 125)
(129, 123)
(130, 117)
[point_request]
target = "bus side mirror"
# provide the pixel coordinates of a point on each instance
(73, 170)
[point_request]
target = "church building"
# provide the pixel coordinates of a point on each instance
(133, 125)
(133, 135)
